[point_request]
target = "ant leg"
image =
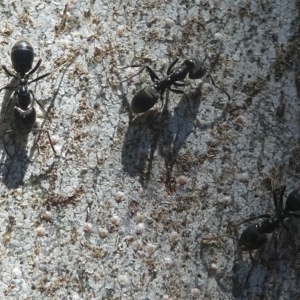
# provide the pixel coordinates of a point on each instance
(275, 199)
(286, 228)
(275, 244)
(152, 74)
(41, 106)
(213, 83)
(254, 218)
(170, 68)
(9, 73)
(154, 118)
(38, 102)
(186, 97)
(35, 68)
(294, 215)
(3, 141)
(45, 130)
(252, 261)
(7, 104)
(39, 77)
(46, 74)
(133, 66)
(281, 196)
(178, 84)
(7, 87)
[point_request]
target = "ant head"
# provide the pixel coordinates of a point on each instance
(293, 200)
(269, 225)
(197, 69)
(22, 55)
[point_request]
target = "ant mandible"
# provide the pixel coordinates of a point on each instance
(23, 113)
(255, 235)
(148, 96)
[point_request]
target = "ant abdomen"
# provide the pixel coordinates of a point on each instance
(252, 238)
(144, 99)
(24, 119)
(22, 56)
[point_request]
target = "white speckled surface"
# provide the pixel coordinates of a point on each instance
(120, 216)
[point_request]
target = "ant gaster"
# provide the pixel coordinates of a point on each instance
(255, 235)
(23, 113)
(147, 97)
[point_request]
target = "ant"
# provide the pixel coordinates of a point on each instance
(23, 113)
(148, 96)
(255, 235)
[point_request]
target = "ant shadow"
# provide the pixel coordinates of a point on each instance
(13, 169)
(176, 131)
(138, 149)
(165, 132)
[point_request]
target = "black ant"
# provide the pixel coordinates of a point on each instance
(255, 235)
(23, 113)
(147, 97)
